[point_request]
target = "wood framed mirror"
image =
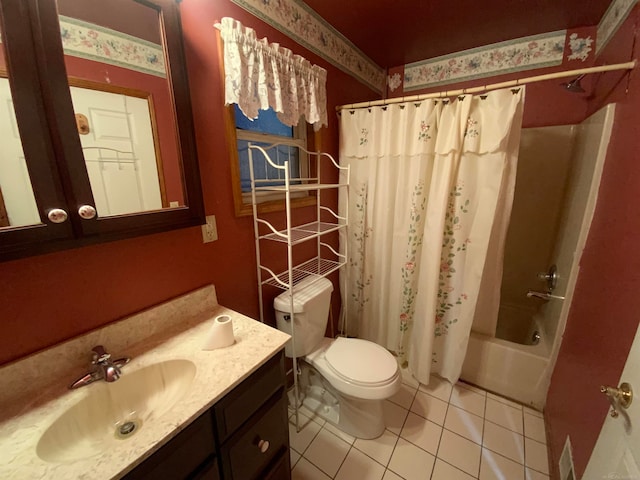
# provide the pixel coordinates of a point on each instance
(111, 85)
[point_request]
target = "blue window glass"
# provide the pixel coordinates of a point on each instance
(267, 123)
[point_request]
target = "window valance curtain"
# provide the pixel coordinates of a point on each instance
(259, 75)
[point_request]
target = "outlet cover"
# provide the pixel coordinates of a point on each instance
(210, 230)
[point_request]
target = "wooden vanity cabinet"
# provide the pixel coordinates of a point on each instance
(244, 436)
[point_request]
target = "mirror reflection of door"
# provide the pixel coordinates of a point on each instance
(131, 149)
(17, 200)
(120, 151)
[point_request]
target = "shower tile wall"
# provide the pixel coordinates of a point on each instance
(436, 431)
(544, 166)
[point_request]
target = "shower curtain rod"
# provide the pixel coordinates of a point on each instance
(493, 86)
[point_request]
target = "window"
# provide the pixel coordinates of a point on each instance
(265, 130)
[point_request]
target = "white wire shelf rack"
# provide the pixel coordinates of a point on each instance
(302, 233)
(316, 267)
(304, 187)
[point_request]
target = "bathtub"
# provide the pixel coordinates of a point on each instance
(509, 369)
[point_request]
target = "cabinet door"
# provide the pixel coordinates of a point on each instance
(110, 150)
(252, 451)
(30, 187)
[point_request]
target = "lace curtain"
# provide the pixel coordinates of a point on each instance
(259, 75)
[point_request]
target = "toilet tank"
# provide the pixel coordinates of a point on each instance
(311, 301)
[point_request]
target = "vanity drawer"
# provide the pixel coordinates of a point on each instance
(179, 458)
(242, 457)
(234, 410)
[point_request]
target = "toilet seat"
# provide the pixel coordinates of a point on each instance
(352, 360)
(373, 376)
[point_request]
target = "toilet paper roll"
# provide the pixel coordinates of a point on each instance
(220, 334)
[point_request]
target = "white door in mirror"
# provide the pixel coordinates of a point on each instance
(119, 152)
(15, 183)
(210, 230)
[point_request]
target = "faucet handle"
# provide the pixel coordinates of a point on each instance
(100, 355)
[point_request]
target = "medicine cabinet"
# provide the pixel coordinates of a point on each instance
(96, 124)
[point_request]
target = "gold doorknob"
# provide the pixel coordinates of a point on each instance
(621, 396)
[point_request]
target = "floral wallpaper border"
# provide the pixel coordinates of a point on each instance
(302, 24)
(93, 42)
(537, 51)
(611, 21)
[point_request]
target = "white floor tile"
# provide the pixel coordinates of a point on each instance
(533, 475)
(305, 470)
(506, 401)
(536, 455)
(497, 467)
(468, 400)
(473, 388)
(407, 378)
(404, 396)
(429, 407)
(311, 415)
(460, 452)
(534, 428)
(300, 441)
(359, 466)
(504, 415)
(293, 457)
(438, 387)
(394, 416)
(444, 471)
(380, 449)
(422, 432)
(389, 475)
(327, 452)
(411, 462)
(339, 433)
(503, 441)
(533, 412)
(464, 423)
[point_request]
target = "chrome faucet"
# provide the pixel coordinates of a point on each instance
(104, 368)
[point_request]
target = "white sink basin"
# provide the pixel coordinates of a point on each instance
(115, 412)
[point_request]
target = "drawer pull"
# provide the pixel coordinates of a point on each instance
(263, 445)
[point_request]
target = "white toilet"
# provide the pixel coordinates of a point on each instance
(344, 380)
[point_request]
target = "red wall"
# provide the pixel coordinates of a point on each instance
(49, 298)
(604, 312)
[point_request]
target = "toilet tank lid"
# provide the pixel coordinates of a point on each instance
(303, 292)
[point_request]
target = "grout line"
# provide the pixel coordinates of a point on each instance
(457, 468)
(343, 460)
(506, 428)
(503, 455)
(444, 420)
(484, 419)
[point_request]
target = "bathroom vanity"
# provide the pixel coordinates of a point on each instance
(219, 414)
(245, 434)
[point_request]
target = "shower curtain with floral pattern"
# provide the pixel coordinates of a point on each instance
(430, 196)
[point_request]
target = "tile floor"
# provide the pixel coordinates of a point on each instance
(436, 432)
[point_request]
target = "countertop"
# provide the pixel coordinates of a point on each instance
(218, 372)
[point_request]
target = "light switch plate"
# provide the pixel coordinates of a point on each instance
(210, 230)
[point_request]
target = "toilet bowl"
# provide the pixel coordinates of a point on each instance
(343, 380)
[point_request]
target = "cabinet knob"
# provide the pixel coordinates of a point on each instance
(87, 212)
(57, 215)
(263, 445)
